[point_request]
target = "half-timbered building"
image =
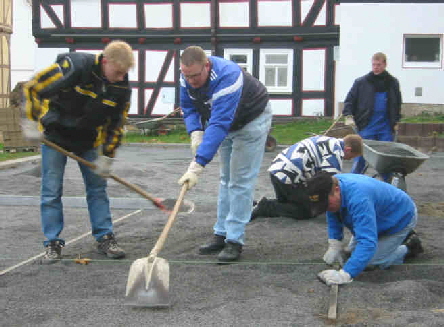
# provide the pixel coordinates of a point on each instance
(287, 44)
(292, 46)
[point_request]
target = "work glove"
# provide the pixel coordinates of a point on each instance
(196, 140)
(30, 130)
(396, 127)
(103, 166)
(350, 121)
(335, 252)
(332, 277)
(191, 176)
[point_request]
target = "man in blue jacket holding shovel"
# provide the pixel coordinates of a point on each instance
(226, 109)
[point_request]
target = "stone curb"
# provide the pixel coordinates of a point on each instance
(16, 162)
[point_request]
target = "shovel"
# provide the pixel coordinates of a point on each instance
(149, 278)
(164, 205)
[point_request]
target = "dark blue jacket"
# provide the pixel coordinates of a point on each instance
(360, 101)
(77, 107)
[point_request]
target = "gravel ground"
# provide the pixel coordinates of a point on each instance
(274, 284)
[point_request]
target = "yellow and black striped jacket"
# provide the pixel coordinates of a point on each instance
(76, 107)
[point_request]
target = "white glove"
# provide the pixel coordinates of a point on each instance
(30, 129)
(350, 121)
(103, 165)
(196, 140)
(338, 277)
(335, 252)
(191, 175)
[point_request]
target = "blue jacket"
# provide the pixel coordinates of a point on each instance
(304, 159)
(369, 209)
(230, 99)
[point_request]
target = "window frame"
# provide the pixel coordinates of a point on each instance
(422, 64)
(277, 89)
(247, 52)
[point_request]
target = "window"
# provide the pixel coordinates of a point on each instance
(243, 57)
(422, 51)
(276, 66)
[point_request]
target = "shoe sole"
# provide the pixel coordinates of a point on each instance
(113, 256)
(212, 251)
(45, 261)
(227, 261)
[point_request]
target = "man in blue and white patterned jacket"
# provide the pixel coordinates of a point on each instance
(299, 162)
(224, 108)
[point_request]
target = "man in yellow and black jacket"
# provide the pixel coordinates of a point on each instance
(80, 103)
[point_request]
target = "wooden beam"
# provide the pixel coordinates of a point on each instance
(333, 302)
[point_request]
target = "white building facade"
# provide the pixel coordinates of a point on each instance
(410, 33)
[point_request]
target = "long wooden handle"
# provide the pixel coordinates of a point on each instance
(89, 164)
(161, 241)
(334, 123)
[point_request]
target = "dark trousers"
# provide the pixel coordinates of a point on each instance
(291, 201)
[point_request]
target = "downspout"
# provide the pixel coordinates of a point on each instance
(213, 35)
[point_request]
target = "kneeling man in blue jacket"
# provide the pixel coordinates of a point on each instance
(380, 217)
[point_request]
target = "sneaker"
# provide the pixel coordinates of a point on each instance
(216, 244)
(231, 252)
(108, 245)
(413, 244)
(258, 209)
(53, 252)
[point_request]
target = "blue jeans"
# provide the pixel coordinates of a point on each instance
(390, 250)
(51, 207)
(241, 154)
(359, 162)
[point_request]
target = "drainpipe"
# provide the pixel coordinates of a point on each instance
(214, 11)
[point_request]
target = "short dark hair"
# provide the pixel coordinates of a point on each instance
(318, 188)
(193, 55)
(354, 141)
(380, 56)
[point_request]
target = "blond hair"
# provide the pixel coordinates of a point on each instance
(193, 55)
(354, 141)
(120, 53)
(380, 57)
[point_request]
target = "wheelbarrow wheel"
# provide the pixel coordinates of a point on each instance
(270, 144)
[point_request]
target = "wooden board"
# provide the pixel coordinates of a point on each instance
(333, 302)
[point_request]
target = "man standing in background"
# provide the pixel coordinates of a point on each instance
(373, 106)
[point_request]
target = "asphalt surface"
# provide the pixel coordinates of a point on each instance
(274, 284)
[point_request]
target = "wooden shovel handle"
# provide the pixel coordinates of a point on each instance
(160, 242)
(89, 164)
(332, 125)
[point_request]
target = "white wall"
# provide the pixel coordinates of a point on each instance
(369, 28)
(26, 57)
(22, 43)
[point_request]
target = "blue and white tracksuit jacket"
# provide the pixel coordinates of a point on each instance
(304, 159)
(230, 99)
(369, 209)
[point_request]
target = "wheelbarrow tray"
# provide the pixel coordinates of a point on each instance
(392, 157)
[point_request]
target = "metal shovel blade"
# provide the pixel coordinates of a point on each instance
(148, 283)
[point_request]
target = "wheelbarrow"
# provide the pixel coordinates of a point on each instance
(155, 126)
(270, 143)
(391, 157)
